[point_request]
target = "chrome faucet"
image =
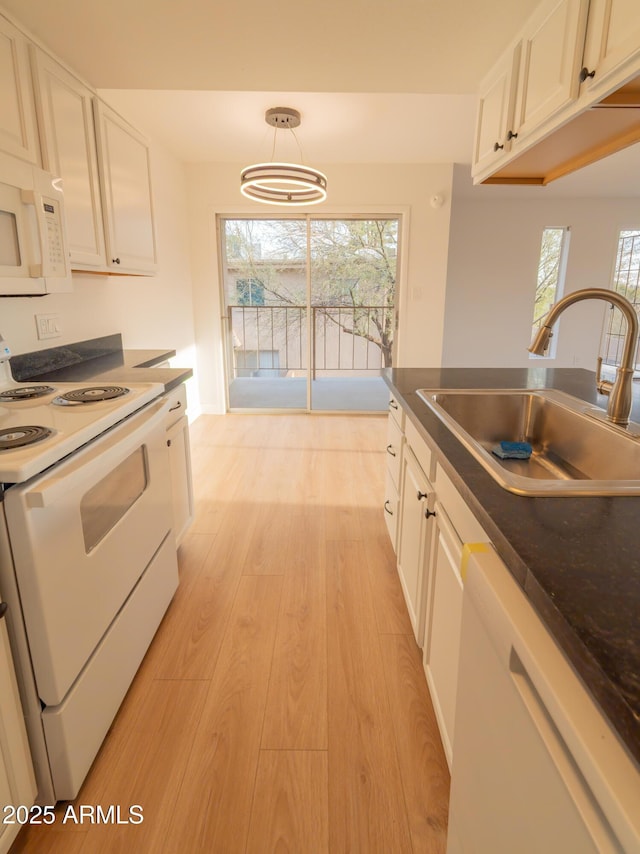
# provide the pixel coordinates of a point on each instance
(619, 391)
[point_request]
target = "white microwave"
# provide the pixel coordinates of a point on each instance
(34, 256)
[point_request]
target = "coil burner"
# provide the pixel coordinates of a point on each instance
(17, 437)
(91, 394)
(24, 393)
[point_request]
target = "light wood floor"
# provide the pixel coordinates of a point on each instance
(282, 706)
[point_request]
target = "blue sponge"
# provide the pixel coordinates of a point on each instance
(513, 450)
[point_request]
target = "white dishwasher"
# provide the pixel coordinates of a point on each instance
(537, 768)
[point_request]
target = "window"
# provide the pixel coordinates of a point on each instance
(249, 292)
(626, 281)
(552, 264)
(309, 302)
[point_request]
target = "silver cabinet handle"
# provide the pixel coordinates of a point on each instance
(177, 406)
(387, 510)
(390, 450)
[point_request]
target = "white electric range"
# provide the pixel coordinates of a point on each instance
(41, 423)
(87, 557)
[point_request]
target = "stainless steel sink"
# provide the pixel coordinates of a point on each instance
(575, 451)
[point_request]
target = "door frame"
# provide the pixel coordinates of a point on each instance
(400, 213)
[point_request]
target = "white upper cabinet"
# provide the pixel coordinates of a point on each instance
(18, 134)
(495, 110)
(65, 119)
(575, 55)
(612, 49)
(550, 62)
(125, 182)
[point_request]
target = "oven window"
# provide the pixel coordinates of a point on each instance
(9, 245)
(107, 502)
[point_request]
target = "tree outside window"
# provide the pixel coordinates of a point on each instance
(552, 263)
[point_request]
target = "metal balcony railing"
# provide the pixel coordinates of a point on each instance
(272, 340)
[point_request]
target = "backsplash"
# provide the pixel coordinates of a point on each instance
(27, 366)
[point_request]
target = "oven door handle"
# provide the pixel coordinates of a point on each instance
(106, 453)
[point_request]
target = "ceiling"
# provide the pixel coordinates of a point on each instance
(336, 127)
(389, 81)
(427, 46)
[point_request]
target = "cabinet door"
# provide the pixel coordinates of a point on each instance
(443, 624)
(495, 111)
(391, 508)
(125, 182)
(17, 782)
(550, 62)
(18, 134)
(414, 540)
(69, 151)
(181, 486)
(395, 439)
(613, 40)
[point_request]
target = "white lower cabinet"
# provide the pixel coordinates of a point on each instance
(179, 446)
(17, 781)
(414, 538)
(434, 523)
(535, 766)
(394, 449)
(442, 629)
(391, 508)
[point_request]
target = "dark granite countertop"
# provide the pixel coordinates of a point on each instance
(577, 559)
(98, 359)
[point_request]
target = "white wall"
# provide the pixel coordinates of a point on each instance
(150, 312)
(493, 256)
(372, 189)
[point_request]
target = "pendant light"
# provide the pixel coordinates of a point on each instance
(283, 183)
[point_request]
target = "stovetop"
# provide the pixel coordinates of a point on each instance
(67, 424)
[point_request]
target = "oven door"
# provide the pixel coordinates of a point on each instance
(81, 535)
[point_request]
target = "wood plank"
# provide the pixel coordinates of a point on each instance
(141, 763)
(192, 554)
(188, 641)
(390, 609)
(271, 530)
(366, 801)
(290, 809)
(296, 711)
(213, 808)
(147, 766)
(423, 765)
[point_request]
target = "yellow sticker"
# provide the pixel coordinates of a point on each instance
(467, 550)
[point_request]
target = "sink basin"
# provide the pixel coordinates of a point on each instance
(575, 451)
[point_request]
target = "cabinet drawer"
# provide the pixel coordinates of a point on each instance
(177, 398)
(465, 523)
(421, 450)
(395, 441)
(396, 411)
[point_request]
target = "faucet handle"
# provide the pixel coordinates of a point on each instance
(603, 386)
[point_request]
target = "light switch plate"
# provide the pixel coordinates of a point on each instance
(48, 326)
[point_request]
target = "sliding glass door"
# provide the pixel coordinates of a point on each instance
(310, 311)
